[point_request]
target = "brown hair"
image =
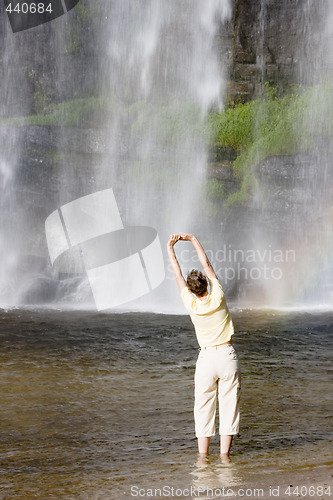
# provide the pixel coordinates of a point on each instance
(197, 282)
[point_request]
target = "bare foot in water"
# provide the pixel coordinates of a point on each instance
(225, 459)
(202, 460)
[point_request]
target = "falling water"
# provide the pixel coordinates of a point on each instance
(312, 225)
(158, 70)
(289, 238)
(163, 71)
(12, 79)
(26, 180)
(314, 275)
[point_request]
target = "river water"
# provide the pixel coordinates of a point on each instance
(99, 406)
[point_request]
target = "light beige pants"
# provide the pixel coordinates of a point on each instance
(217, 375)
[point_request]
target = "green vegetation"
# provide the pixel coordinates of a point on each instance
(272, 125)
(212, 195)
(82, 19)
(81, 112)
(169, 125)
(267, 126)
(40, 98)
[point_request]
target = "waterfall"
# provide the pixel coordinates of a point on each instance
(114, 95)
(164, 74)
(158, 70)
(293, 198)
(314, 272)
(163, 71)
(12, 79)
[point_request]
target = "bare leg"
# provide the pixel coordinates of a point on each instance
(225, 447)
(203, 445)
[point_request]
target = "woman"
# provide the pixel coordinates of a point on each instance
(217, 370)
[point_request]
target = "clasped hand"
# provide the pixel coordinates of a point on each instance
(180, 236)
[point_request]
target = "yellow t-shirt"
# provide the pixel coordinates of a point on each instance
(210, 317)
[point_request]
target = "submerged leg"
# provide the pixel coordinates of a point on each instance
(225, 445)
(203, 445)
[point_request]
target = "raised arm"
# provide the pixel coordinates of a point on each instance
(204, 261)
(174, 262)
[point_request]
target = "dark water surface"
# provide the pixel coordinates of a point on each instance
(98, 406)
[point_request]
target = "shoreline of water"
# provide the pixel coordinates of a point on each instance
(233, 308)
